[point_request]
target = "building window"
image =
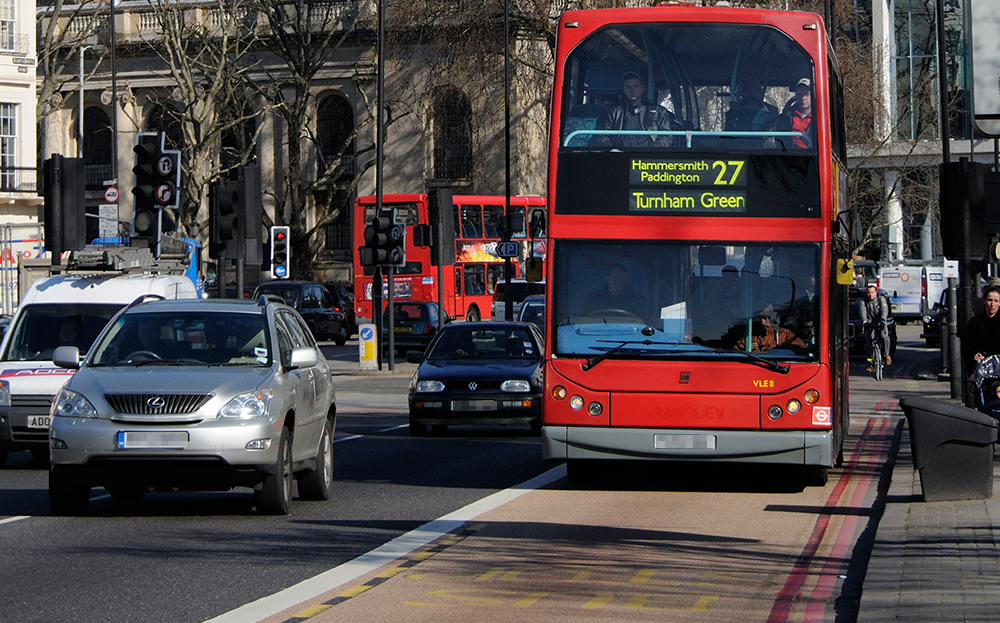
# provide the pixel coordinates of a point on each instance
(97, 146)
(7, 24)
(337, 234)
(334, 124)
(452, 118)
(8, 145)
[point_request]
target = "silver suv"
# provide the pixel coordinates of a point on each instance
(198, 396)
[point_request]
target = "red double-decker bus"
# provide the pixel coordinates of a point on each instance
(477, 226)
(697, 228)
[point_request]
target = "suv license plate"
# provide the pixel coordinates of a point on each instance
(473, 405)
(39, 421)
(135, 439)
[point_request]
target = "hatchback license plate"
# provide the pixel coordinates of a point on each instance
(473, 405)
(136, 439)
(39, 421)
(404, 329)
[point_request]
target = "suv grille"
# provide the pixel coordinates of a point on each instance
(156, 404)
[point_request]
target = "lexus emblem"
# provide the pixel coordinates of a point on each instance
(156, 402)
(473, 386)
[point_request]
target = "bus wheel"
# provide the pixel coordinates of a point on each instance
(472, 315)
(814, 476)
(582, 472)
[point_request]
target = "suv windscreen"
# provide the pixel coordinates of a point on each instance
(290, 294)
(195, 338)
(41, 328)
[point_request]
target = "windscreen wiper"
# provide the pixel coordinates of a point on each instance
(773, 366)
(596, 359)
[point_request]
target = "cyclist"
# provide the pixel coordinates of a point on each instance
(875, 317)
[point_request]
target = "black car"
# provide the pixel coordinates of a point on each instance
(855, 331)
(478, 373)
(415, 324)
(313, 302)
(343, 299)
(935, 320)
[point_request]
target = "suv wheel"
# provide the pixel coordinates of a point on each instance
(317, 484)
(274, 497)
(66, 498)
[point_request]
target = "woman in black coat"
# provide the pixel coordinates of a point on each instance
(983, 331)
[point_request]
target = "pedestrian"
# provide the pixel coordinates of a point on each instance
(982, 334)
(992, 401)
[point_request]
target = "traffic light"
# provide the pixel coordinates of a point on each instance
(224, 222)
(281, 253)
(384, 241)
(157, 184)
(64, 211)
(249, 213)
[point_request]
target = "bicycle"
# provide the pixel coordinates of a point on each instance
(877, 358)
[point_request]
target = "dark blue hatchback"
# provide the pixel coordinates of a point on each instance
(478, 373)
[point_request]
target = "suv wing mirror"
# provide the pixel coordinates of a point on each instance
(67, 357)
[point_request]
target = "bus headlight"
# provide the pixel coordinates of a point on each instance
(793, 406)
(774, 412)
(811, 396)
(576, 403)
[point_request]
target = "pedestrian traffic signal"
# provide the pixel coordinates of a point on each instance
(280, 252)
(384, 242)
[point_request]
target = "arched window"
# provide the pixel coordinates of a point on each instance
(97, 148)
(452, 119)
(334, 124)
(162, 119)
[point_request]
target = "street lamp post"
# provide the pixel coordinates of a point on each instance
(79, 137)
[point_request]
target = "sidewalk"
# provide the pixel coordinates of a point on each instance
(932, 561)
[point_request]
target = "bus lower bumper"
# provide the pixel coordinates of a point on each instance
(560, 443)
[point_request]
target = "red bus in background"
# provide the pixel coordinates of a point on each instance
(696, 293)
(478, 227)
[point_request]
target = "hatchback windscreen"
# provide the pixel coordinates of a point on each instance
(477, 343)
(672, 299)
(186, 338)
(42, 328)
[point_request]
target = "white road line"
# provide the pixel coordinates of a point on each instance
(394, 549)
(347, 438)
(386, 430)
(15, 518)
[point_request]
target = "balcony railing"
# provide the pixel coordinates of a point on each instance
(19, 180)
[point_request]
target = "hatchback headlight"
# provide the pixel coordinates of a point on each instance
(515, 385)
(246, 406)
(71, 404)
(427, 387)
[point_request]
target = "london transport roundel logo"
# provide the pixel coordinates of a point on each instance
(366, 333)
(279, 271)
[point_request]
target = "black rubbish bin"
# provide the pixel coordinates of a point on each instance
(952, 448)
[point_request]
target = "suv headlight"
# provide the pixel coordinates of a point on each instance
(249, 405)
(71, 404)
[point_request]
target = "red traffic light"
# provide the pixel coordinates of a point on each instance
(279, 236)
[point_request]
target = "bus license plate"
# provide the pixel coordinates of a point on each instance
(683, 442)
(39, 421)
(135, 439)
(473, 405)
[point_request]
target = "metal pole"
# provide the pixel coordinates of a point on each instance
(943, 85)
(79, 124)
(954, 351)
(508, 300)
(114, 100)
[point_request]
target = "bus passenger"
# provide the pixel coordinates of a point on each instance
(798, 114)
(750, 113)
(616, 295)
(638, 113)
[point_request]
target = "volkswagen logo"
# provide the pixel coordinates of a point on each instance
(156, 402)
(473, 386)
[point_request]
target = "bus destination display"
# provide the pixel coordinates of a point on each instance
(659, 185)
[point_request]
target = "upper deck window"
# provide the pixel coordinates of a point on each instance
(677, 86)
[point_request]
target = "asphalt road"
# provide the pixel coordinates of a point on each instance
(179, 557)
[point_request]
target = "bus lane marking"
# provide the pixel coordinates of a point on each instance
(790, 592)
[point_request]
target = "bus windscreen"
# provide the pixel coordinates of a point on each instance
(683, 300)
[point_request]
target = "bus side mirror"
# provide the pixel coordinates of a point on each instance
(845, 272)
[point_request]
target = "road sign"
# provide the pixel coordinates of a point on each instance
(508, 249)
(111, 194)
(108, 219)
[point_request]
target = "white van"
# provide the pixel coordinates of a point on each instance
(63, 310)
(934, 285)
(904, 285)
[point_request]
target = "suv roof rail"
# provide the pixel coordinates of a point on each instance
(142, 298)
(270, 298)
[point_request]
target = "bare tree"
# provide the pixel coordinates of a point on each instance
(60, 31)
(304, 36)
(209, 63)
